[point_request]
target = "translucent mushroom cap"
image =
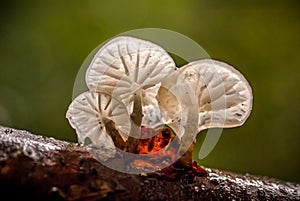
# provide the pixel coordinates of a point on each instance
(90, 112)
(223, 95)
(125, 64)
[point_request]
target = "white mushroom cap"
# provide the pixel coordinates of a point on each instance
(125, 64)
(88, 114)
(223, 95)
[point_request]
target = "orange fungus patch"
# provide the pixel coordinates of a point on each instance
(156, 147)
(154, 140)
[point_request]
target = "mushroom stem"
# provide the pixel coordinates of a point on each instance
(136, 121)
(187, 144)
(190, 126)
(188, 138)
(187, 158)
(114, 133)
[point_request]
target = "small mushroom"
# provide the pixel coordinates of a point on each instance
(129, 69)
(223, 96)
(93, 117)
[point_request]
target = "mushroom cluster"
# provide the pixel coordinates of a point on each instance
(134, 83)
(123, 79)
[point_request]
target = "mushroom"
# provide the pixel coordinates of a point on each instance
(129, 69)
(133, 82)
(223, 99)
(93, 116)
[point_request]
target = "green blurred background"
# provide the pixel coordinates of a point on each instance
(44, 43)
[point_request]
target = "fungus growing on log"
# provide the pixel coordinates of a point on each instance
(127, 67)
(94, 117)
(223, 96)
(135, 89)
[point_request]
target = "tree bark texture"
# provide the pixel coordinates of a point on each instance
(34, 167)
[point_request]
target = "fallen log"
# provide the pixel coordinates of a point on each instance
(33, 167)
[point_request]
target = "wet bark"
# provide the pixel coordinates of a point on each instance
(33, 167)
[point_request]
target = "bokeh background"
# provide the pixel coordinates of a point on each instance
(44, 43)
